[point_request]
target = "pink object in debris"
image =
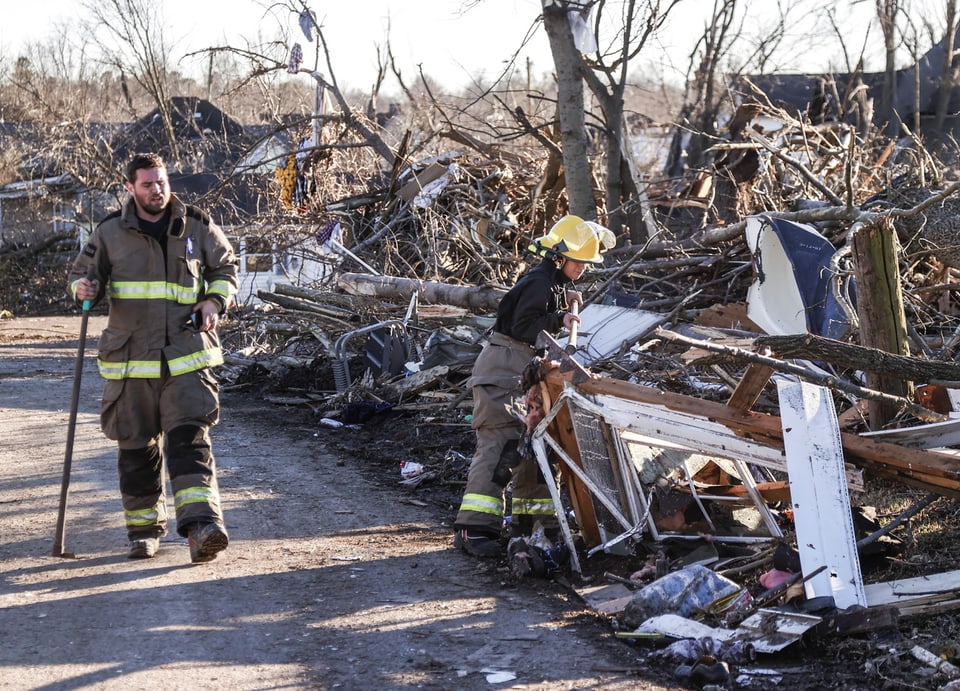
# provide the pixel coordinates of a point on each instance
(775, 577)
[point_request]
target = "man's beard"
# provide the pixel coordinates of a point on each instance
(152, 207)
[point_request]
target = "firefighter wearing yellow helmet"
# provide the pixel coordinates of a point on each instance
(573, 238)
(540, 301)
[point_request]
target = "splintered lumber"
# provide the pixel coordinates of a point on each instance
(484, 297)
(852, 356)
(931, 471)
(750, 386)
(918, 411)
(579, 494)
(922, 594)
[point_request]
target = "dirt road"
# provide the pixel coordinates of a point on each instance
(332, 579)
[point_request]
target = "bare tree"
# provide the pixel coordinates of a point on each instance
(951, 66)
(887, 13)
(130, 36)
(607, 78)
(570, 105)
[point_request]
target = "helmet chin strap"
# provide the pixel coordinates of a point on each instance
(558, 259)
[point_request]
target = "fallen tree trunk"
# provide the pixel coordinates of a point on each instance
(432, 292)
(852, 356)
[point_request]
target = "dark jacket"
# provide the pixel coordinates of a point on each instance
(536, 303)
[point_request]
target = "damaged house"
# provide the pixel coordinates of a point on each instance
(761, 469)
(914, 94)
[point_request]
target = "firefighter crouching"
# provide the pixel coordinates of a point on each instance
(538, 302)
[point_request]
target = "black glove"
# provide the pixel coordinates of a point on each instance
(532, 374)
(509, 459)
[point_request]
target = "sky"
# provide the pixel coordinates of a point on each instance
(452, 39)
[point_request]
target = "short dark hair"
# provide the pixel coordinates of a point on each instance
(141, 162)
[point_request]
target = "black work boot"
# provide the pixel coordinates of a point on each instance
(206, 541)
(477, 543)
(521, 526)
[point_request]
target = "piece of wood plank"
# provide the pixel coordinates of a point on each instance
(751, 386)
(770, 491)
(819, 496)
(562, 428)
(600, 597)
(911, 592)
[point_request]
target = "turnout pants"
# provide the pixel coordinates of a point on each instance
(495, 383)
(164, 420)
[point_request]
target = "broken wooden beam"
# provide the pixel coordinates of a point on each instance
(751, 385)
(883, 323)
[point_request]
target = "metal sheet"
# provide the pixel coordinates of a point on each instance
(818, 493)
(768, 630)
(605, 328)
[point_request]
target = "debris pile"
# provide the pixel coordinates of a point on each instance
(746, 457)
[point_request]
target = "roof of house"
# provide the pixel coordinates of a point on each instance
(207, 139)
(210, 143)
(796, 92)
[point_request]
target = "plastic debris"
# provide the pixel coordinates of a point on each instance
(296, 59)
(409, 469)
(775, 577)
(498, 677)
(308, 20)
(413, 473)
(684, 592)
(693, 649)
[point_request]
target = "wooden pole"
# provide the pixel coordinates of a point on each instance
(883, 323)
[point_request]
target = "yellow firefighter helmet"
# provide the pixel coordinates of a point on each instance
(575, 239)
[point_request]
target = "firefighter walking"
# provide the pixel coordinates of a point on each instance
(171, 274)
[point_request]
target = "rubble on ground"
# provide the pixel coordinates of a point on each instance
(726, 413)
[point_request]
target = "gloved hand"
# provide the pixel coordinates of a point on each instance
(532, 374)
